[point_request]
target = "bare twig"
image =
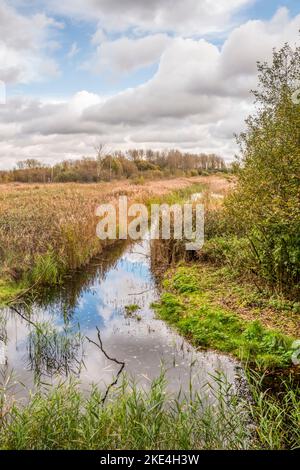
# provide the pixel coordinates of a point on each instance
(121, 363)
(143, 292)
(141, 254)
(24, 318)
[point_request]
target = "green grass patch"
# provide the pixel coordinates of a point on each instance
(47, 270)
(9, 291)
(131, 311)
(132, 308)
(187, 304)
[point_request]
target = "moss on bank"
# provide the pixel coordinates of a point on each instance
(9, 291)
(191, 301)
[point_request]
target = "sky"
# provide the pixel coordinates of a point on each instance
(155, 74)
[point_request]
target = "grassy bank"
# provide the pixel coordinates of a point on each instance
(192, 302)
(217, 301)
(9, 290)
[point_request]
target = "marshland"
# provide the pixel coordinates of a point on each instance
(142, 344)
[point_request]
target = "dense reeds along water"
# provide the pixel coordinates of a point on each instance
(102, 296)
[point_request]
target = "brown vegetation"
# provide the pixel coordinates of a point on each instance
(47, 229)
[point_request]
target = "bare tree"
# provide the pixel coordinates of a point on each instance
(100, 149)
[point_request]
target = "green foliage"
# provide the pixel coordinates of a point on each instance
(53, 350)
(170, 308)
(8, 291)
(216, 224)
(276, 416)
(230, 250)
(46, 269)
(182, 195)
(185, 281)
(265, 206)
(132, 308)
(207, 325)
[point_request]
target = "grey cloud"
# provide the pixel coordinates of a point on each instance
(125, 55)
(187, 17)
(197, 99)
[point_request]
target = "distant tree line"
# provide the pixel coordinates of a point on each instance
(116, 165)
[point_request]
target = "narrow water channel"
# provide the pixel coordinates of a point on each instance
(100, 297)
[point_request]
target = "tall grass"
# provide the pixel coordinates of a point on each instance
(131, 419)
(275, 411)
(48, 230)
(135, 419)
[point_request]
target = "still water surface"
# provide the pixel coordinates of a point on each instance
(97, 297)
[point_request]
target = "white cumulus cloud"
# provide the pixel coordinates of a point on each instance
(197, 99)
(24, 43)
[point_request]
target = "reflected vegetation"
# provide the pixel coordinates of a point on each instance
(51, 351)
(56, 334)
(64, 299)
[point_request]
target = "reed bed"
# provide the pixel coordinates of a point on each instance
(133, 418)
(47, 230)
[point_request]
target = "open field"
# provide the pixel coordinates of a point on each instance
(45, 230)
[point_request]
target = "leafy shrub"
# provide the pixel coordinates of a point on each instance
(231, 250)
(265, 205)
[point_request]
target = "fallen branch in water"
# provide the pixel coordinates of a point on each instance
(141, 254)
(143, 292)
(35, 325)
(122, 364)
